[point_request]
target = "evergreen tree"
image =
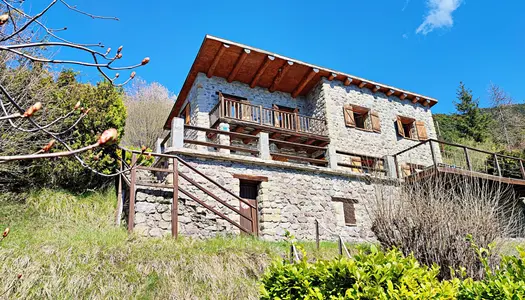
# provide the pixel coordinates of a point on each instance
(472, 122)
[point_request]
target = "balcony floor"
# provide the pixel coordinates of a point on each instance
(276, 133)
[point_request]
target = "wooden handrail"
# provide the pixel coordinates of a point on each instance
(182, 161)
(208, 144)
(217, 131)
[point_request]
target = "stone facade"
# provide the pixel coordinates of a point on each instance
(291, 200)
(295, 195)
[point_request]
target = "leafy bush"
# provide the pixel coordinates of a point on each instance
(391, 275)
(368, 275)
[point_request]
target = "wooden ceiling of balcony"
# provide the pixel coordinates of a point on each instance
(255, 67)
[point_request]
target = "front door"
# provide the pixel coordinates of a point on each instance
(248, 191)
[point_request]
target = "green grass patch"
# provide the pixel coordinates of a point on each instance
(66, 247)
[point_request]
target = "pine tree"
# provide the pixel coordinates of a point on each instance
(472, 122)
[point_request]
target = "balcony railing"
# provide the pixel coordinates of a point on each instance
(257, 114)
(459, 159)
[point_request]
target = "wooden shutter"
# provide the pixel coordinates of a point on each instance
(356, 162)
(349, 212)
(421, 130)
(400, 129)
(187, 114)
(349, 116)
(376, 125)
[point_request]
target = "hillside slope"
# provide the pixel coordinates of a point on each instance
(65, 247)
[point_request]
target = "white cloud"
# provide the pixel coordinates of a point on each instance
(439, 15)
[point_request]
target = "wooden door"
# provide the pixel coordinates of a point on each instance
(248, 191)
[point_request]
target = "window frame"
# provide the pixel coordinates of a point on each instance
(350, 204)
(402, 121)
(371, 121)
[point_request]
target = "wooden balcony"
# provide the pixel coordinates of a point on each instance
(257, 117)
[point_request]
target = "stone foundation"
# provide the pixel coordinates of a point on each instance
(291, 200)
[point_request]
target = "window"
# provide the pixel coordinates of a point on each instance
(348, 210)
(185, 114)
(361, 117)
(410, 128)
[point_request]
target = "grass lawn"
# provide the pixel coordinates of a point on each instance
(66, 247)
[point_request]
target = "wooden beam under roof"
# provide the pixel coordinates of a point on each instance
(216, 59)
(304, 82)
(238, 64)
(332, 76)
(362, 84)
(348, 81)
(280, 75)
(261, 70)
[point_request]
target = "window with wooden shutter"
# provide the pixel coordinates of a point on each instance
(349, 115)
(348, 210)
(406, 127)
(376, 124)
(421, 130)
(400, 129)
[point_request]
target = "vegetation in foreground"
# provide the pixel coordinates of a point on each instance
(373, 274)
(66, 247)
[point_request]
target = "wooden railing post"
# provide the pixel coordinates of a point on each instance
(522, 169)
(175, 203)
(317, 234)
(467, 157)
(434, 160)
(131, 213)
(119, 194)
(497, 164)
(221, 108)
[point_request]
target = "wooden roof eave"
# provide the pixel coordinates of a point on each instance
(282, 68)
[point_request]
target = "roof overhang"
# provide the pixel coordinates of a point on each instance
(255, 67)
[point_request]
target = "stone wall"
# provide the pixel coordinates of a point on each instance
(387, 142)
(291, 200)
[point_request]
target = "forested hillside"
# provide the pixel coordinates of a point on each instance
(499, 128)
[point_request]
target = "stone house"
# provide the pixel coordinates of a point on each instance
(302, 143)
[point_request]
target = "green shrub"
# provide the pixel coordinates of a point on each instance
(368, 275)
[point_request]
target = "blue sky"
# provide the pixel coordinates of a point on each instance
(425, 46)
